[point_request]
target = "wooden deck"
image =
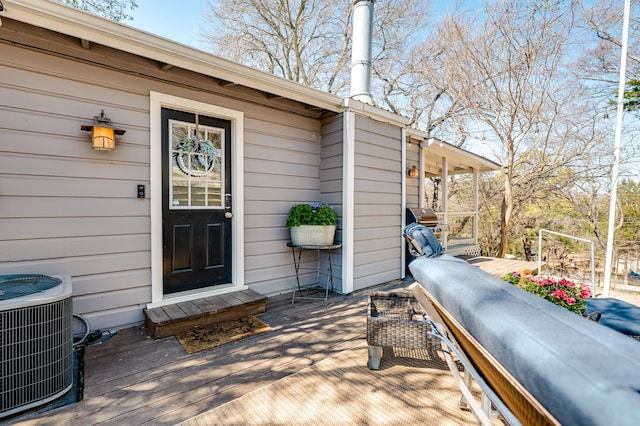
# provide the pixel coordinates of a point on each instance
(132, 379)
(500, 267)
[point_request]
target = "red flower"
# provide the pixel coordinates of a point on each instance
(563, 292)
(560, 294)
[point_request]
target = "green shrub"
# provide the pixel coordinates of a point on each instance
(308, 214)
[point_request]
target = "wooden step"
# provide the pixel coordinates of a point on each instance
(169, 320)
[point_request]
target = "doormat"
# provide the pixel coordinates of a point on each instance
(214, 335)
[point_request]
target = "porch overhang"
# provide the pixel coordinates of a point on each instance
(459, 161)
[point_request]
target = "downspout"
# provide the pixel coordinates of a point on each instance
(361, 51)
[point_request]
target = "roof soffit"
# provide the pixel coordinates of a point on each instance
(93, 29)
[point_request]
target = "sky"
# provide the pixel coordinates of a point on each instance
(183, 21)
(177, 21)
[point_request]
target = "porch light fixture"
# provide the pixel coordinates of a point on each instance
(413, 172)
(103, 133)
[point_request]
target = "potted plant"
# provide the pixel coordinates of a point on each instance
(312, 224)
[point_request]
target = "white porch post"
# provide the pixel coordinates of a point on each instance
(476, 177)
(421, 167)
(403, 199)
(445, 208)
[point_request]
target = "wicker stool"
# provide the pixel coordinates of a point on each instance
(392, 321)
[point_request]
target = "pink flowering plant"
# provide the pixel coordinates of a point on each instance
(562, 292)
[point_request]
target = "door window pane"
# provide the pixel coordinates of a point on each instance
(197, 162)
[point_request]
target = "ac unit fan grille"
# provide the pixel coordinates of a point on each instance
(36, 345)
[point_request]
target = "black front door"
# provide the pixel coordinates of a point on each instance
(196, 198)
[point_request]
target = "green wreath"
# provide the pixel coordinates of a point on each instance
(204, 160)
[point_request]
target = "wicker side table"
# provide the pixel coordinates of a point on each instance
(393, 321)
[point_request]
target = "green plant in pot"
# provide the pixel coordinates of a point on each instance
(312, 224)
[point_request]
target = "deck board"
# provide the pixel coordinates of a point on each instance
(191, 309)
(499, 267)
(133, 379)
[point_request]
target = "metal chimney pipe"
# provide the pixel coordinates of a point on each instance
(361, 50)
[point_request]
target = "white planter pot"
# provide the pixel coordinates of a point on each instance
(312, 235)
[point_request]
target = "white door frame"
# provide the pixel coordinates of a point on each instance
(157, 102)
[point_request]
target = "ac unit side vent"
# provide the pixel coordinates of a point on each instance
(36, 355)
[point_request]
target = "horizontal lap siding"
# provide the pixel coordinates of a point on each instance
(282, 156)
(67, 209)
(331, 187)
(285, 164)
(377, 203)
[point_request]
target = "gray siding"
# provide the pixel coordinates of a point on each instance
(331, 185)
(377, 197)
(281, 169)
(66, 209)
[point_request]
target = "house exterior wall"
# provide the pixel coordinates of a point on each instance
(68, 210)
(332, 188)
(377, 203)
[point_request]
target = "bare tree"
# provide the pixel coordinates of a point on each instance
(116, 10)
(309, 41)
(508, 74)
(601, 62)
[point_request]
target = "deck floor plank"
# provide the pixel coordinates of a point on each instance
(133, 379)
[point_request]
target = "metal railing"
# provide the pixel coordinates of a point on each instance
(591, 243)
(461, 228)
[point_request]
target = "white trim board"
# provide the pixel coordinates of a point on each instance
(156, 102)
(348, 203)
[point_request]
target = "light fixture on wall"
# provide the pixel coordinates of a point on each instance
(413, 172)
(103, 133)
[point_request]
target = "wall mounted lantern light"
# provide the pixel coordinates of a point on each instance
(103, 133)
(413, 172)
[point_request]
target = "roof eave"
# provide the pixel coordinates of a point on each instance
(85, 26)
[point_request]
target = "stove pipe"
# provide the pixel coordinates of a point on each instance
(361, 50)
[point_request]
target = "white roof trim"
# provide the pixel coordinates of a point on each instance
(486, 163)
(76, 23)
(375, 113)
(458, 155)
